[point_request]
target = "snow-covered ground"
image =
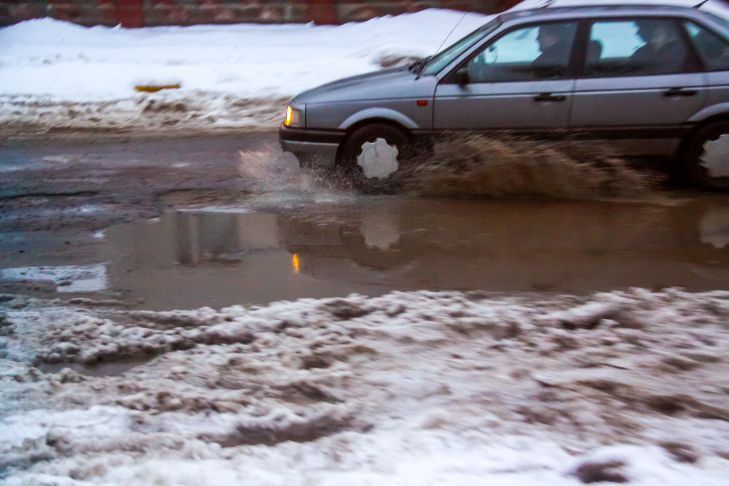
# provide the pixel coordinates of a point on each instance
(420, 388)
(56, 74)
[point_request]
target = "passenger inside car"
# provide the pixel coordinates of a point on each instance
(638, 48)
(663, 51)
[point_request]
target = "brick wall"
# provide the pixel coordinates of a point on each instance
(137, 13)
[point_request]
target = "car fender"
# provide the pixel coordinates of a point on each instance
(710, 111)
(381, 113)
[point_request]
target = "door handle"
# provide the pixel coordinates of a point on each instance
(545, 97)
(673, 92)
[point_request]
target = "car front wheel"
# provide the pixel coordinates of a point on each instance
(375, 157)
(707, 156)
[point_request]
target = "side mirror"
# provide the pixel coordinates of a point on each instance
(462, 76)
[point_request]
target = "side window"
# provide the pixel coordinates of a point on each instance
(714, 50)
(528, 54)
(638, 47)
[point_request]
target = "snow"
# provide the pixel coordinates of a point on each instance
(65, 278)
(257, 61)
(422, 388)
(56, 73)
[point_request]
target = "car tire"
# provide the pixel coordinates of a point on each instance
(375, 157)
(706, 156)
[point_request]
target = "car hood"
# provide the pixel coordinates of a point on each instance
(389, 83)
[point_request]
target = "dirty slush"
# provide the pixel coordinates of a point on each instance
(428, 387)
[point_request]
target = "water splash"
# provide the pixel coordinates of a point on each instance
(472, 165)
(270, 170)
(462, 166)
(276, 178)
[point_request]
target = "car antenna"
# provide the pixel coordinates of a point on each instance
(701, 4)
(547, 4)
(446, 39)
(451, 32)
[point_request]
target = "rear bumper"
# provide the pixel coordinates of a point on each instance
(319, 145)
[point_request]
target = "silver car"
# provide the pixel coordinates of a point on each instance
(650, 81)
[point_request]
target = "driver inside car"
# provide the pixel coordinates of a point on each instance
(551, 48)
(555, 42)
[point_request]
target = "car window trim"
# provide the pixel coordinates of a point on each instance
(450, 79)
(677, 22)
(715, 20)
(582, 41)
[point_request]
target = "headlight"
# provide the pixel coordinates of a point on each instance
(293, 117)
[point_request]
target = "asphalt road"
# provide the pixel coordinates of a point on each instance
(91, 182)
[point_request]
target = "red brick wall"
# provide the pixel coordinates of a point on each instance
(137, 13)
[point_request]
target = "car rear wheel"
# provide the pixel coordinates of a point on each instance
(375, 157)
(707, 156)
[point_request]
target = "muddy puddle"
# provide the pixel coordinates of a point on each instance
(261, 250)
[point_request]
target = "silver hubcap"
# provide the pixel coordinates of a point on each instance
(378, 159)
(715, 158)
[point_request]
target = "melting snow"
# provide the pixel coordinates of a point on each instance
(426, 388)
(70, 278)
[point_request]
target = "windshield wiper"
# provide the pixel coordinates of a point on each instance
(418, 66)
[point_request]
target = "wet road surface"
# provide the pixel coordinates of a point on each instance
(169, 225)
(257, 251)
(57, 183)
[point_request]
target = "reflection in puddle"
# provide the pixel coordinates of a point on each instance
(715, 227)
(193, 258)
(264, 250)
(380, 231)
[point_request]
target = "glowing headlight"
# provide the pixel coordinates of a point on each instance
(293, 117)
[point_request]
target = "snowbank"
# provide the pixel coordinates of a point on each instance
(424, 388)
(57, 74)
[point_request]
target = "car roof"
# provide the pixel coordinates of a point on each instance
(597, 11)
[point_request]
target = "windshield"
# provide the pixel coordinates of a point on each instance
(447, 56)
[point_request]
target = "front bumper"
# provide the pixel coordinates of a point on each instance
(319, 145)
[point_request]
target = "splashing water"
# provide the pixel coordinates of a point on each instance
(465, 166)
(471, 165)
(276, 178)
(270, 170)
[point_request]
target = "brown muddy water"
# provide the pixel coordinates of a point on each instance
(281, 247)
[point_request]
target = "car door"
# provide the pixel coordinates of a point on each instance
(641, 85)
(522, 82)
